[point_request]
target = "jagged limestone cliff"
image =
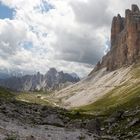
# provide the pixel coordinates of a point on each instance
(125, 41)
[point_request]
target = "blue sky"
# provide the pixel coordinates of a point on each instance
(6, 12)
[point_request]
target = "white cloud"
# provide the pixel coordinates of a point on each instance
(11, 33)
(70, 36)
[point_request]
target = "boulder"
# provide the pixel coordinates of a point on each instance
(94, 126)
(134, 122)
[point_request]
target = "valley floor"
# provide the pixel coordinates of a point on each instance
(21, 121)
(14, 130)
(105, 106)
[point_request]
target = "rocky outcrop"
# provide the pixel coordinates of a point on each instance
(52, 80)
(125, 41)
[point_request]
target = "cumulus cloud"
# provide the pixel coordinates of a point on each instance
(83, 47)
(92, 12)
(69, 35)
(11, 33)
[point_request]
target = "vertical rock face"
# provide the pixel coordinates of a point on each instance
(117, 27)
(125, 41)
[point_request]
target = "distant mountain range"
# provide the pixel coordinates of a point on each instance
(52, 80)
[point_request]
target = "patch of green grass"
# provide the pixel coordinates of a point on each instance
(120, 97)
(82, 137)
(74, 114)
(136, 71)
(36, 98)
(11, 137)
(5, 93)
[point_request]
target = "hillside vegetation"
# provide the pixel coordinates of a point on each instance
(123, 96)
(5, 93)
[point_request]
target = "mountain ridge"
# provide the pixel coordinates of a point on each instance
(52, 80)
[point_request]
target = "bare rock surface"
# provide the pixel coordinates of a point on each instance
(21, 121)
(125, 41)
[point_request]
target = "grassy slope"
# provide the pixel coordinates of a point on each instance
(36, 97)
(5, 93)
(126, 98)
(122, 97)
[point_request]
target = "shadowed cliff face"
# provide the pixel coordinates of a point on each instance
(125, 41)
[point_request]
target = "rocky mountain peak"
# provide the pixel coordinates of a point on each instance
(52, 80)
(125, 41)
(135, 8)
(52, 70)
(117, 27)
